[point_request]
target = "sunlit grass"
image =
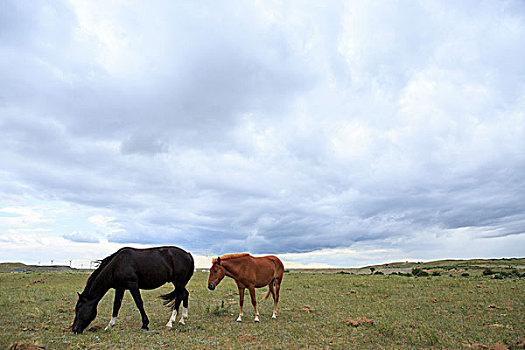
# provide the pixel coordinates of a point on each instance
(429, 312)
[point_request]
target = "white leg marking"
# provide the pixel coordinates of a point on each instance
(184, 315)
(111, 323)
(274, 316)
(256, 318)
(239, 319)
(172, 319)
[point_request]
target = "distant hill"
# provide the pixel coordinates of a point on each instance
(448, 264)
(20, 267)
(455, 266)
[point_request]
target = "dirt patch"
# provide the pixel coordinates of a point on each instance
(360, 321)
(24, 346)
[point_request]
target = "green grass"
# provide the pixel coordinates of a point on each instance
(439, 312)
(18, 267)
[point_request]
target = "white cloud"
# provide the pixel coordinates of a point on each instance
(19, 217)
(81, 237)
(268, 127)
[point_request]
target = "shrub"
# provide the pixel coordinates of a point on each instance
(436, 273)
(419, 272)
(465, 274)
(487, 272)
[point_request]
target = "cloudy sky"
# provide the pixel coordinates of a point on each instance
(328, 133)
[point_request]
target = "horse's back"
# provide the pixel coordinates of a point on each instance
(152, 267)
(278, 266)
(183, 259)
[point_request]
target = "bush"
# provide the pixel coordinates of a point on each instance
(436, 273)
(378, 273)
(465, 274)
(487, 272)
(419, 272)
(515, 272)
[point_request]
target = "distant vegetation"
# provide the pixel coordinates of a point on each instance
(451, 264)
(21, 268)
(496, 268)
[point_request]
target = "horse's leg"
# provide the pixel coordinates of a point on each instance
(119, 293)
(277, 287)
(254, 302)
(241, 303)
(181, 294)
(272, 290)
(185, 295)
(135, 293)
(173, 316)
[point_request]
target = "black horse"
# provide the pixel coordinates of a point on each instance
(135, 269)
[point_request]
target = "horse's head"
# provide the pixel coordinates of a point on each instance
(85, 312)
(217, 273)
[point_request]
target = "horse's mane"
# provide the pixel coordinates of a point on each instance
(229, 256)
(100, 266)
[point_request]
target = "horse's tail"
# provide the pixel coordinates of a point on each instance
(169, 298)
(270, 286)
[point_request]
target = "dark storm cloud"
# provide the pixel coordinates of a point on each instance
(268, 127)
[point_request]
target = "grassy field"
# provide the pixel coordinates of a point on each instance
(317, 310)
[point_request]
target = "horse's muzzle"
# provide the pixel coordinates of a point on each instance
(77, 330)
(211, 286)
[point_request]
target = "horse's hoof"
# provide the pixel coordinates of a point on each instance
(239, 320)
(168, 328)
(143, 330)
(274, 317)
(256, 320)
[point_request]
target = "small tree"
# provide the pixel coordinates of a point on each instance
(487, 272)
(419, 272)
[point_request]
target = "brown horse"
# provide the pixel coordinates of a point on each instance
(249, 272)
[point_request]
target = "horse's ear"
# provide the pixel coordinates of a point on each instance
(78, 294)
(219, 260)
